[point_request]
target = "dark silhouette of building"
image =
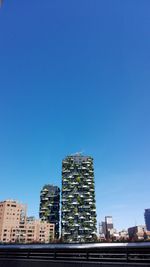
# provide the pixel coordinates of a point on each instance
(50, 206)
(147, 219)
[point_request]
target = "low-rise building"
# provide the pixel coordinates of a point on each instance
(136, 232)
(16, 227)
(12, 221)
(147, 235)
(123, 235)
(39, 231)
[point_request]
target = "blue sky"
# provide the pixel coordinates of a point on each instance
(75, 76)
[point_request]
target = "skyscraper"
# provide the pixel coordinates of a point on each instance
(78, 220)
(50, 206)
(147, 219)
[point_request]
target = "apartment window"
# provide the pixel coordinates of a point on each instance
(8, 205)
(13, 206)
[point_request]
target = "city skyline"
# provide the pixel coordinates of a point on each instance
(75, 77)
(37, 215)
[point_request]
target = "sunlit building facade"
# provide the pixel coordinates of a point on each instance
(16, 227)
(12, 221)
(78, 217)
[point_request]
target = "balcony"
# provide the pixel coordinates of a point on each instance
(66, 233)
(82, 217)
(86, 229)
(65, 190)
(42, 193)
(65, 171)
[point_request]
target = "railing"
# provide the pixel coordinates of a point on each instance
(124, 254)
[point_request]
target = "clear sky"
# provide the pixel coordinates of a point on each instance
(75, 76)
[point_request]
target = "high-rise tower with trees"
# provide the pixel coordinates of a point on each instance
(78, 215)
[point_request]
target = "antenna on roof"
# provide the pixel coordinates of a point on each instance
(78, 153)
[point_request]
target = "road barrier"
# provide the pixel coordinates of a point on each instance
(98, 253)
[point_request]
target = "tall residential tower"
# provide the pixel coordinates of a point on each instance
(50, 206)
(78, 218)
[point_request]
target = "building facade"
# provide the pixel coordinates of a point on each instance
(102, 231)
(147, 219)
(124, 236)
(16, 227)
(78, 217)
(136, 232)
(38, 231)
(50, 206)
(12, 221)
(109, 227)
